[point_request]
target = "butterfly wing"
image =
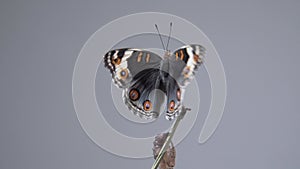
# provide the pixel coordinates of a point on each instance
(138, 73)
(173, 93)
(142, 98)
(180, 66)
(125, 63)
(184, 62)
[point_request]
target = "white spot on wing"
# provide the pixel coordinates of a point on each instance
(197, 50)
(190, 63)
(116, 54)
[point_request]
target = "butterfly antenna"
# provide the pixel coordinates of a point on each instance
(169, 35)
(160, 37)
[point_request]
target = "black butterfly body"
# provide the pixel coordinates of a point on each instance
(139, 72)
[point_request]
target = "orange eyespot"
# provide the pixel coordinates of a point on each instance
(172, 106)
(123, 74)
(116, 61)
(196, 58)
(134, 95)
(178, 94)
(147, 105)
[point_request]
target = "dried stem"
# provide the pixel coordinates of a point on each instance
(169, 137)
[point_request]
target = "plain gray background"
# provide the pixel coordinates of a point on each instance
(258, 42)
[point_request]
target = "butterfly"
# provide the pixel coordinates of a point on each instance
(140, 73)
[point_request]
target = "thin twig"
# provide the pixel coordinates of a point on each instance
(168, 139)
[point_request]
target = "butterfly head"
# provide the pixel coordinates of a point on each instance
(167, 54)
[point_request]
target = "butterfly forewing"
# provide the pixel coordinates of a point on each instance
(184, 62)
(126, 63)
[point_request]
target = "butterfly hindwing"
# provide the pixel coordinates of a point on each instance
(173, 97)
(141, 97)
